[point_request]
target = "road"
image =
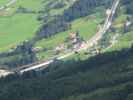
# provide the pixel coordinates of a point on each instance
(8, 4)
(89, 43)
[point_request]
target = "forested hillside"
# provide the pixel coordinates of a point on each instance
(103, 77)
(128, 4)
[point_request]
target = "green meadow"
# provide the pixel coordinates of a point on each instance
(3, 2)
(125, 40)
(17, 27)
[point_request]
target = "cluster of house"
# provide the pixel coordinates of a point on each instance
(74, 39)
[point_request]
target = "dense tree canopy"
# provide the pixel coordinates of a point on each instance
(103, 77)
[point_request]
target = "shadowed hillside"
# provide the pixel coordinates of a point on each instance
(105, 76)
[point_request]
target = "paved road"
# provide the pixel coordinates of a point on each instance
(90, 43)
(4, 73)
(11, 2)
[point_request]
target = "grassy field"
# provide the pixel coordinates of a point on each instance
(17, 27)
(14, 30)
(126, 39)
(3, 2)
